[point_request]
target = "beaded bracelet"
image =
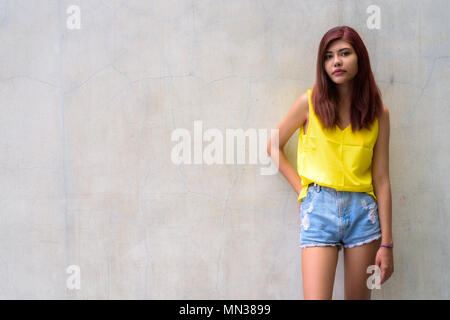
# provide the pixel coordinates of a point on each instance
(387, 246)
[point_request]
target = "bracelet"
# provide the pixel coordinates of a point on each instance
(387, 246)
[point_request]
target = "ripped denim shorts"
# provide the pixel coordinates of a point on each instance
(338, 218)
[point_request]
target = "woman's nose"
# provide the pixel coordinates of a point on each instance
(337, 61)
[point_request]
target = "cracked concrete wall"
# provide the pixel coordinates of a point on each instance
(85, 164)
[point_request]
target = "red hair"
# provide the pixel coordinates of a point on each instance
(366, 102)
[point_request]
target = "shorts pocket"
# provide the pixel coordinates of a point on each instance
(370, 206)
(309, 193)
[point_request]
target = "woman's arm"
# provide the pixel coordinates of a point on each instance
(295, 118)
(380, 177)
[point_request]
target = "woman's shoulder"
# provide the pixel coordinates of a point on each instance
(301, 105)
(383, 118)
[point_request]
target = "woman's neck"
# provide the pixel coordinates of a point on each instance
(345, 91)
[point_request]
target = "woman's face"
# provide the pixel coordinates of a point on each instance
(340, 55)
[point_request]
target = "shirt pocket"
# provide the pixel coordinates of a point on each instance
(358, 159)
(309, 143)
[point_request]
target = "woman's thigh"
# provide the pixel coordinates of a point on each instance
(356, 262)
(318, 271)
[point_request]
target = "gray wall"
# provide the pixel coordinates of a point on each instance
(86, 118)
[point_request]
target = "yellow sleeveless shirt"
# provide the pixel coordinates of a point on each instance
(339, 159)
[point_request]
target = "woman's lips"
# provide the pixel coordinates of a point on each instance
(339, 73)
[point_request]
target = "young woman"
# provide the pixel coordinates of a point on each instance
(342, 176)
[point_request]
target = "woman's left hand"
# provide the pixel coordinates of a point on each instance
(385, 261)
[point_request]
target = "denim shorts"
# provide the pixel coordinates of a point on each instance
(338, 218)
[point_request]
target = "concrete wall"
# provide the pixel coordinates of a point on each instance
(86, 118)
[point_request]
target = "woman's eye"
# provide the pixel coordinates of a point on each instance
(346, 53)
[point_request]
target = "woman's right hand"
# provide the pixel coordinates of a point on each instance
(300, 203)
